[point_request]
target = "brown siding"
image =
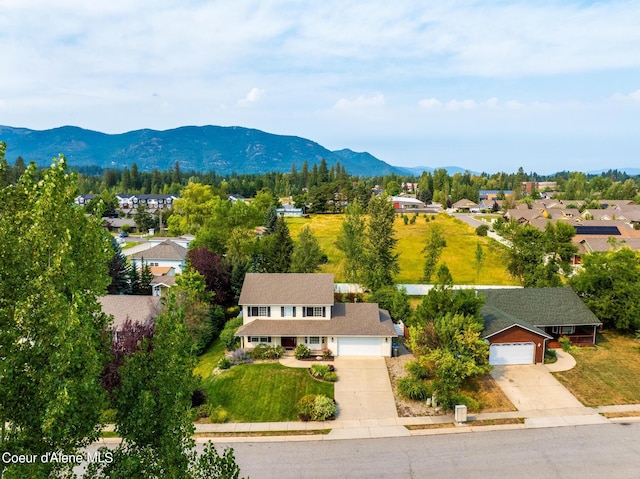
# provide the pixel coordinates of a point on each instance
(516, 334)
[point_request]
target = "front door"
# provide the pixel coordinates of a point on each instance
(288, 342)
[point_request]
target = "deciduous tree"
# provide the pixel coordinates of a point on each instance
(351, 242)
(54, 265)
(380, 260)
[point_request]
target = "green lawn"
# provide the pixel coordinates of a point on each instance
(608, 374)
(459, 253)
(208, 361)
(262, 392)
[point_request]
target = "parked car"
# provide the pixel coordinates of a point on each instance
(123, 234)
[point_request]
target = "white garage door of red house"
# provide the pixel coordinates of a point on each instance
(502, 354)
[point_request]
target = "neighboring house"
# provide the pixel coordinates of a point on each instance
(82, 200)
(466, 206)
(116, 224)
(166, 253)
(290, 211)
(491, 195)
(288, 309)
(402, 203)
(138, 309)
(520, 324)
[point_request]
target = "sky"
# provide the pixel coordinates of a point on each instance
(486, 85)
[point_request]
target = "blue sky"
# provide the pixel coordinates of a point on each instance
(485, 85)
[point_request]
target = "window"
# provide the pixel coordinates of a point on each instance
(564, 329)
(314, 340)
(261, 311)
(259, 339)
(288, 311)
(315, 311)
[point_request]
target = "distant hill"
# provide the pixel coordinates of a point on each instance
(200, 148)
(452, 170)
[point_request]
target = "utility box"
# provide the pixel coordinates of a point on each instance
(461, 413)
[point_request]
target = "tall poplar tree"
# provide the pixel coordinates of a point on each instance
(54, 265)
(380, 260)
(351, 242)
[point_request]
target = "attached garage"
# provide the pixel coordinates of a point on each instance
(501, 354)
(358, 346)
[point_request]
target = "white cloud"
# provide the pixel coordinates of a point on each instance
(360, 102)
(430, 103)
(634, 96)
(254, 96)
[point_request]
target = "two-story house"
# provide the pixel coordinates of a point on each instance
(288, 309)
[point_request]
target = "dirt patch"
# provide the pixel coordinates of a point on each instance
(405, 407)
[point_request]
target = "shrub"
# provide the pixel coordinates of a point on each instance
(551, 353)
(405, 218)
(327, 354)
(323, 408)
(228, 337)
(240, 356)
(316, 407)
(482, 230)
(302, 351)
(225, 363)
(264, 351)
(472, 404)
(305, 407)
(319, 370)
(275, 352)
(565, 343)
(413, 388)
(417, 370)
(412, 221)
(331, 377)
(219, 415)
(204, 410)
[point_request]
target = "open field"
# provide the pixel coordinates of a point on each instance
(459, 254)
(605, 375)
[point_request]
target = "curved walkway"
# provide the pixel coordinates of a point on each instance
(565, 362)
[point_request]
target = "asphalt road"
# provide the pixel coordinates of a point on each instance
(603, 451)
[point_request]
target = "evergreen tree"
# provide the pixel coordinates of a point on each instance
(118, 271)
(270, 220)
(307, 254)
(277, 249)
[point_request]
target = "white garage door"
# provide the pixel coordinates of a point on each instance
(359, 347)
(511, 353)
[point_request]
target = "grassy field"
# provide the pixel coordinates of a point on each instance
(262, 392)
(459, 254)
(608, 374)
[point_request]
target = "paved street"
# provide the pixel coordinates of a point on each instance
(610, 450)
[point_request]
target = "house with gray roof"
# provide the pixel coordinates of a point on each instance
(166, 253)
(521, 323)
(288, 309)
(123, 308)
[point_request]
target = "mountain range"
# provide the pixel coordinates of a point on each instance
(224, 150)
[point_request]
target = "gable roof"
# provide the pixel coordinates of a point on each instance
(496, 321)
(164, 250)
(139, 309)
(347, 319)
(287, 289)
(541, 307)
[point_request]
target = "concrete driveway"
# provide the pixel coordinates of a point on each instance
(363, 390)
(533, 387)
